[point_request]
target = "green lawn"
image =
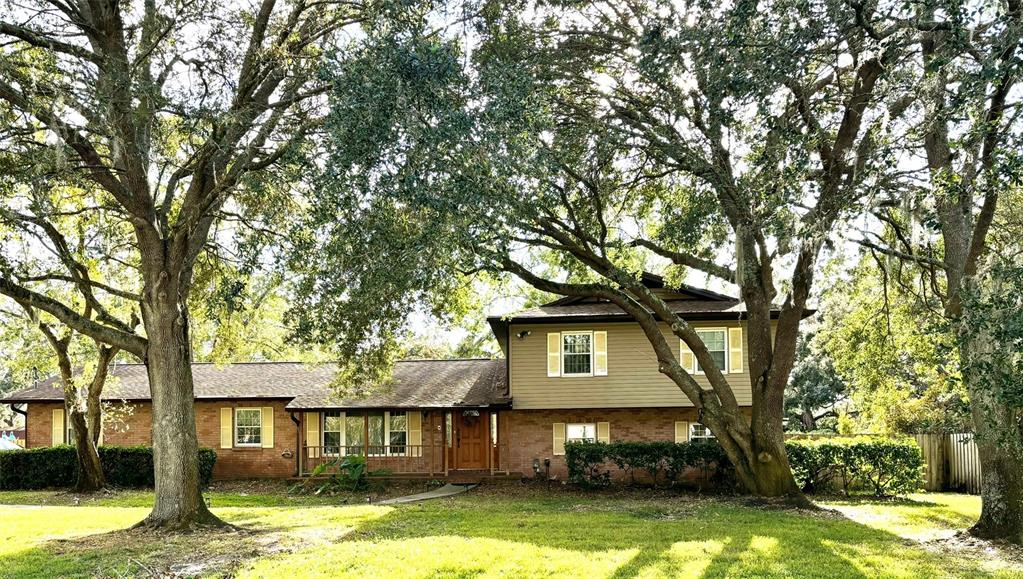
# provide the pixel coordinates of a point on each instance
(502, 532)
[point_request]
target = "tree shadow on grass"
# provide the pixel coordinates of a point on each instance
(713, 539)
(516, 536)
(125, 553)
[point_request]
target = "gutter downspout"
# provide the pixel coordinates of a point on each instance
(298, 439)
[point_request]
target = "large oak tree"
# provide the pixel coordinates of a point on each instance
(576, 141)
(170, 109)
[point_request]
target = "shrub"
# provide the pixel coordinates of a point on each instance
(886, 467)
(344, 474)
(57, 467)
(660, 461)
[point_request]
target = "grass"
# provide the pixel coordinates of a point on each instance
(498, 532)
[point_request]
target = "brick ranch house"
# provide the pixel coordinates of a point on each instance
(574, 369)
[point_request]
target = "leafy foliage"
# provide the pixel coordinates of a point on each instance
(340, 474)
(886, 467)
(815, 389)
(895, 356)
(661, 462)
(56, 467)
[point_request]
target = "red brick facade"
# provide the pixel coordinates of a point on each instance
(529, 433)
(136, 428)
(523, 435)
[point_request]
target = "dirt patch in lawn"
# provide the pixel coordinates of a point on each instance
(962, 543)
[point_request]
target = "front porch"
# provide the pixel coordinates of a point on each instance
(448, 442)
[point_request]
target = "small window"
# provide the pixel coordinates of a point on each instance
(70, 430)
(493, 428)
(397, 434)
(577, 353)
(332, 428)
(699, 433)
(717, 345)
(581, 433)
(248, 426)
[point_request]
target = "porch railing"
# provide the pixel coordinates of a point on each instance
(396, 459)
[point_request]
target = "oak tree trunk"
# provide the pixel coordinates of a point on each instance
(90, 470)
(179, 503)
(1000, 449)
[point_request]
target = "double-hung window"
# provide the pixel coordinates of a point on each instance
(397, 432)
(388, 432)
(700, 433)
(248, 426)
(355, 431)
(717, 344)
(333, 427)
(577, 353)
(581, 432)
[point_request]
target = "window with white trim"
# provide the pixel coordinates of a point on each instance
(577, 353)
(397, 431)
(248, 426)
(700, 433)
(716, 341)
(581, 432)
(332, 429)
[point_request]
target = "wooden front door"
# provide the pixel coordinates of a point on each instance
(471, 440)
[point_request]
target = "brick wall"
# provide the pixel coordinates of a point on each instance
(134, 428)
(529, 433)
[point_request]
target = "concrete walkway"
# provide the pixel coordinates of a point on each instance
(448, 490)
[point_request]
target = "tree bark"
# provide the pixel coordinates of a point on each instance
(90, 470)
(999, 445)
(179, 503)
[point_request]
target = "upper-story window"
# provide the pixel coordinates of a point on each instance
(717, 344)
(577, 353)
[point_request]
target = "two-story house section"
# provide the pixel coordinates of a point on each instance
(573, 369)
(582, 369)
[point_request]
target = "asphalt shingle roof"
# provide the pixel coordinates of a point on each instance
(416, 383)
(731, 308)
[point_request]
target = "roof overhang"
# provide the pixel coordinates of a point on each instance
(496, 321)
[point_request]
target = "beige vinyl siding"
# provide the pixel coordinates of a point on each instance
(632, 380)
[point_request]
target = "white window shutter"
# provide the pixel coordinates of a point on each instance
(554, 354)
(681, 431)
(735, 353)
(559, 438)
(415, 433)
(267, 427)
(604, 432)
(600, 353)
(312, 433)
(686, 359)
(57, 430)
(226, 428)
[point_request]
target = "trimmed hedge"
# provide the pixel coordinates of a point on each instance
(885, 467)
(588, 462)
(57, 467)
